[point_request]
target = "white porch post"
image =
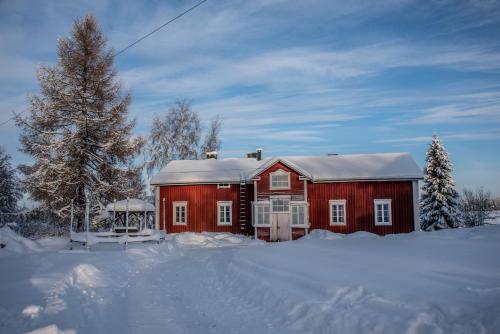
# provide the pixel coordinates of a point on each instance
(253, 208)
(71, 222)
(416, 207)
(157, 207)
(114, 215)
(306, 207)
(126, 225)
(254, 221)
(87, 218)
(145, 215)
(164, 214)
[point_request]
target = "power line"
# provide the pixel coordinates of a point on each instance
(160, 27)
(11, 119)
(134, 43)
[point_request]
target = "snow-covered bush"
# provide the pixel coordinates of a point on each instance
(35, 223)
(440, 203)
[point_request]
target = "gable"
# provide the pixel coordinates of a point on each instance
(295, 180)
(277, 163)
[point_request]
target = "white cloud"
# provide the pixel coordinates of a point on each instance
(493, 134)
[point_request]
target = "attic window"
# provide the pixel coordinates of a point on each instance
(223, 186)
(279, 180)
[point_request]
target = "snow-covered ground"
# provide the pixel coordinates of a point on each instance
(435, 282)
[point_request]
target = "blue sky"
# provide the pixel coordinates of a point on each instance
(293, 77)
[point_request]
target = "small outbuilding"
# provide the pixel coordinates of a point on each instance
(131, 215)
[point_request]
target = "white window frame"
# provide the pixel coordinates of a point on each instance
(225, 204)
(223, 185)
(382, 202)
(175, 205)
(279, 172)
(261, 204)
(333, 202)
(306, 214)
(287, 198)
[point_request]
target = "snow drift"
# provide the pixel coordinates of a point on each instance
(10, 242)
(422, 282)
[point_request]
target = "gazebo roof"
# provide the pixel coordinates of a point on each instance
(134, 205)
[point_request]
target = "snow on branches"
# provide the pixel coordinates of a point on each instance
(77, 131)
(176, 136)
(10, 189)
(440, 202)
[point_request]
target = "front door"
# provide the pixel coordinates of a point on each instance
(280, 227)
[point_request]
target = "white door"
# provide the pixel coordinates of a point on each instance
(280, 230)
(280, 227)
(284, 227)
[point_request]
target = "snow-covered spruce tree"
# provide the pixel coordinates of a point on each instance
(174, 136)
(212, 142)
(10, 188)
(77, 131)
(440, 203)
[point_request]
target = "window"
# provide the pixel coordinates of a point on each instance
(337, 212)
(180, 213)
(383, 214)
(262, 215)
(298, 215)
(224, 213)
(280, 204)
(279, 180)
(223, 186)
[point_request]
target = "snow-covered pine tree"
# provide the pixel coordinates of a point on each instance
(10, 188)
(175, 136)
(440, 203)
(77, 131)
(212, 142)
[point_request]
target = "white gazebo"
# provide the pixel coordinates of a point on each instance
(131, 216)
(132, 220)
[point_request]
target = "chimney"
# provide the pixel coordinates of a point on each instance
(211, 155)
(259, 154)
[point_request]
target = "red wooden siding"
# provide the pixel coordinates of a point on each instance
(359, 198)
(202, 207)
(296, 185)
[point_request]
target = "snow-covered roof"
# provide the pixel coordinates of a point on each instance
(206, 171)
(133, 205)
(377, 166)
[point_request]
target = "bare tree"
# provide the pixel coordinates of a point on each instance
(477, 206)
(77, 131)
(175, 136)
(212, 142)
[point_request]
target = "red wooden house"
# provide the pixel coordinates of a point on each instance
(281, 198)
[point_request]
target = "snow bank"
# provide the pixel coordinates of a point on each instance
(323, 235)
(209, 239)
(52, 329)
(10, 242)
(328, 235)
